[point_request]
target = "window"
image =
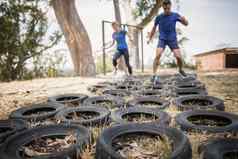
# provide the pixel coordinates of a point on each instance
(231, 61)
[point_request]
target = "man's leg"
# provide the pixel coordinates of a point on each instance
(156, 63)
(127, 61)
(177, 54)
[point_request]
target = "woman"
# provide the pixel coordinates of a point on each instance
(119, 36)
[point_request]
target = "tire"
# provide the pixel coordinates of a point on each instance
(104, 150)
(68, 98)
(117, 102)
(213, 103)
(127, 87)
(231, 120)
(154, 99)
(97, 87)
(179, 93)
(194, 82)
(184, 79)
(117, 93)
(11, 148)
(24, 113)
(152, 87)
(217, 149)
(10, 127)
(102, 117)
(189, 87)
(146, 93)
(162, 117)
(132, 82)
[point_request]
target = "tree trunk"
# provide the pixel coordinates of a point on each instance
(76, 37)
(134, 46)
(117, 12)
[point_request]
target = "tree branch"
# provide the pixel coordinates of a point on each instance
(151, 15)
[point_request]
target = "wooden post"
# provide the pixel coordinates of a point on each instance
(103, 44)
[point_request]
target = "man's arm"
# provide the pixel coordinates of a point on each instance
(151, 34)
(183, 20)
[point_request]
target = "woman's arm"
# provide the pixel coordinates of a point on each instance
(111, 45)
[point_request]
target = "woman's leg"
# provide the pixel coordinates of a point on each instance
(116, 56)
(127, 61)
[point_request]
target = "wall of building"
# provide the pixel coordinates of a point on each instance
(211, 62)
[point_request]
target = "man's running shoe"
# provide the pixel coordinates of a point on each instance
(181, 72)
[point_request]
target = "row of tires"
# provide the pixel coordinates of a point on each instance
(188, 102)
(100, 116)
(118, 116)
(181, 147)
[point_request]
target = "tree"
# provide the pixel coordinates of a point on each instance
(140, 13)
(76, 37)
(23, 28)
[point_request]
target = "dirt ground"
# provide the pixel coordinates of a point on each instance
(23, 93)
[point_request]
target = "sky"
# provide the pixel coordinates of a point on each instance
(212, 23)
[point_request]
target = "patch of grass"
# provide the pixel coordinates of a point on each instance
(140, 118)
(139, 146)
(198, 102)
(48, 145)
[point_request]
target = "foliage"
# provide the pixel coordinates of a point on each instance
(99, 64)
(143, 8)
(49, 64)
(22, 36)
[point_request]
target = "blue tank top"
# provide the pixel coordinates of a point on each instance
(120, 38)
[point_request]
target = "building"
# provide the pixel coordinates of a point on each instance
(216, 60)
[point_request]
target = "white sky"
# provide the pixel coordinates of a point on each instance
(212, 22)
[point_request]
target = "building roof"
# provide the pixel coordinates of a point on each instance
(216, 51)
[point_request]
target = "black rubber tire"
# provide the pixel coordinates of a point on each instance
(132, 82)
(137, 101)
(152, 87)
(108, 83)
(146, 93)
(10, 127)
(181, 145)
(194, 82)
(97, 87)
(179, 93)
(186, 125)
(184, 79)
(50, 109)
(100, 120)
(189, 87)
(127, 87)
(162, 117)
(117, 92)
(216, 149)
(215, 103)
(117, 101)
(10, 149)
(68, 98)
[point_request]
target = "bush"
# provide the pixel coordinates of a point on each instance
(23, 28)
(99, 64)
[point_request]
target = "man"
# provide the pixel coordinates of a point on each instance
(119, 36)
(166, 22)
